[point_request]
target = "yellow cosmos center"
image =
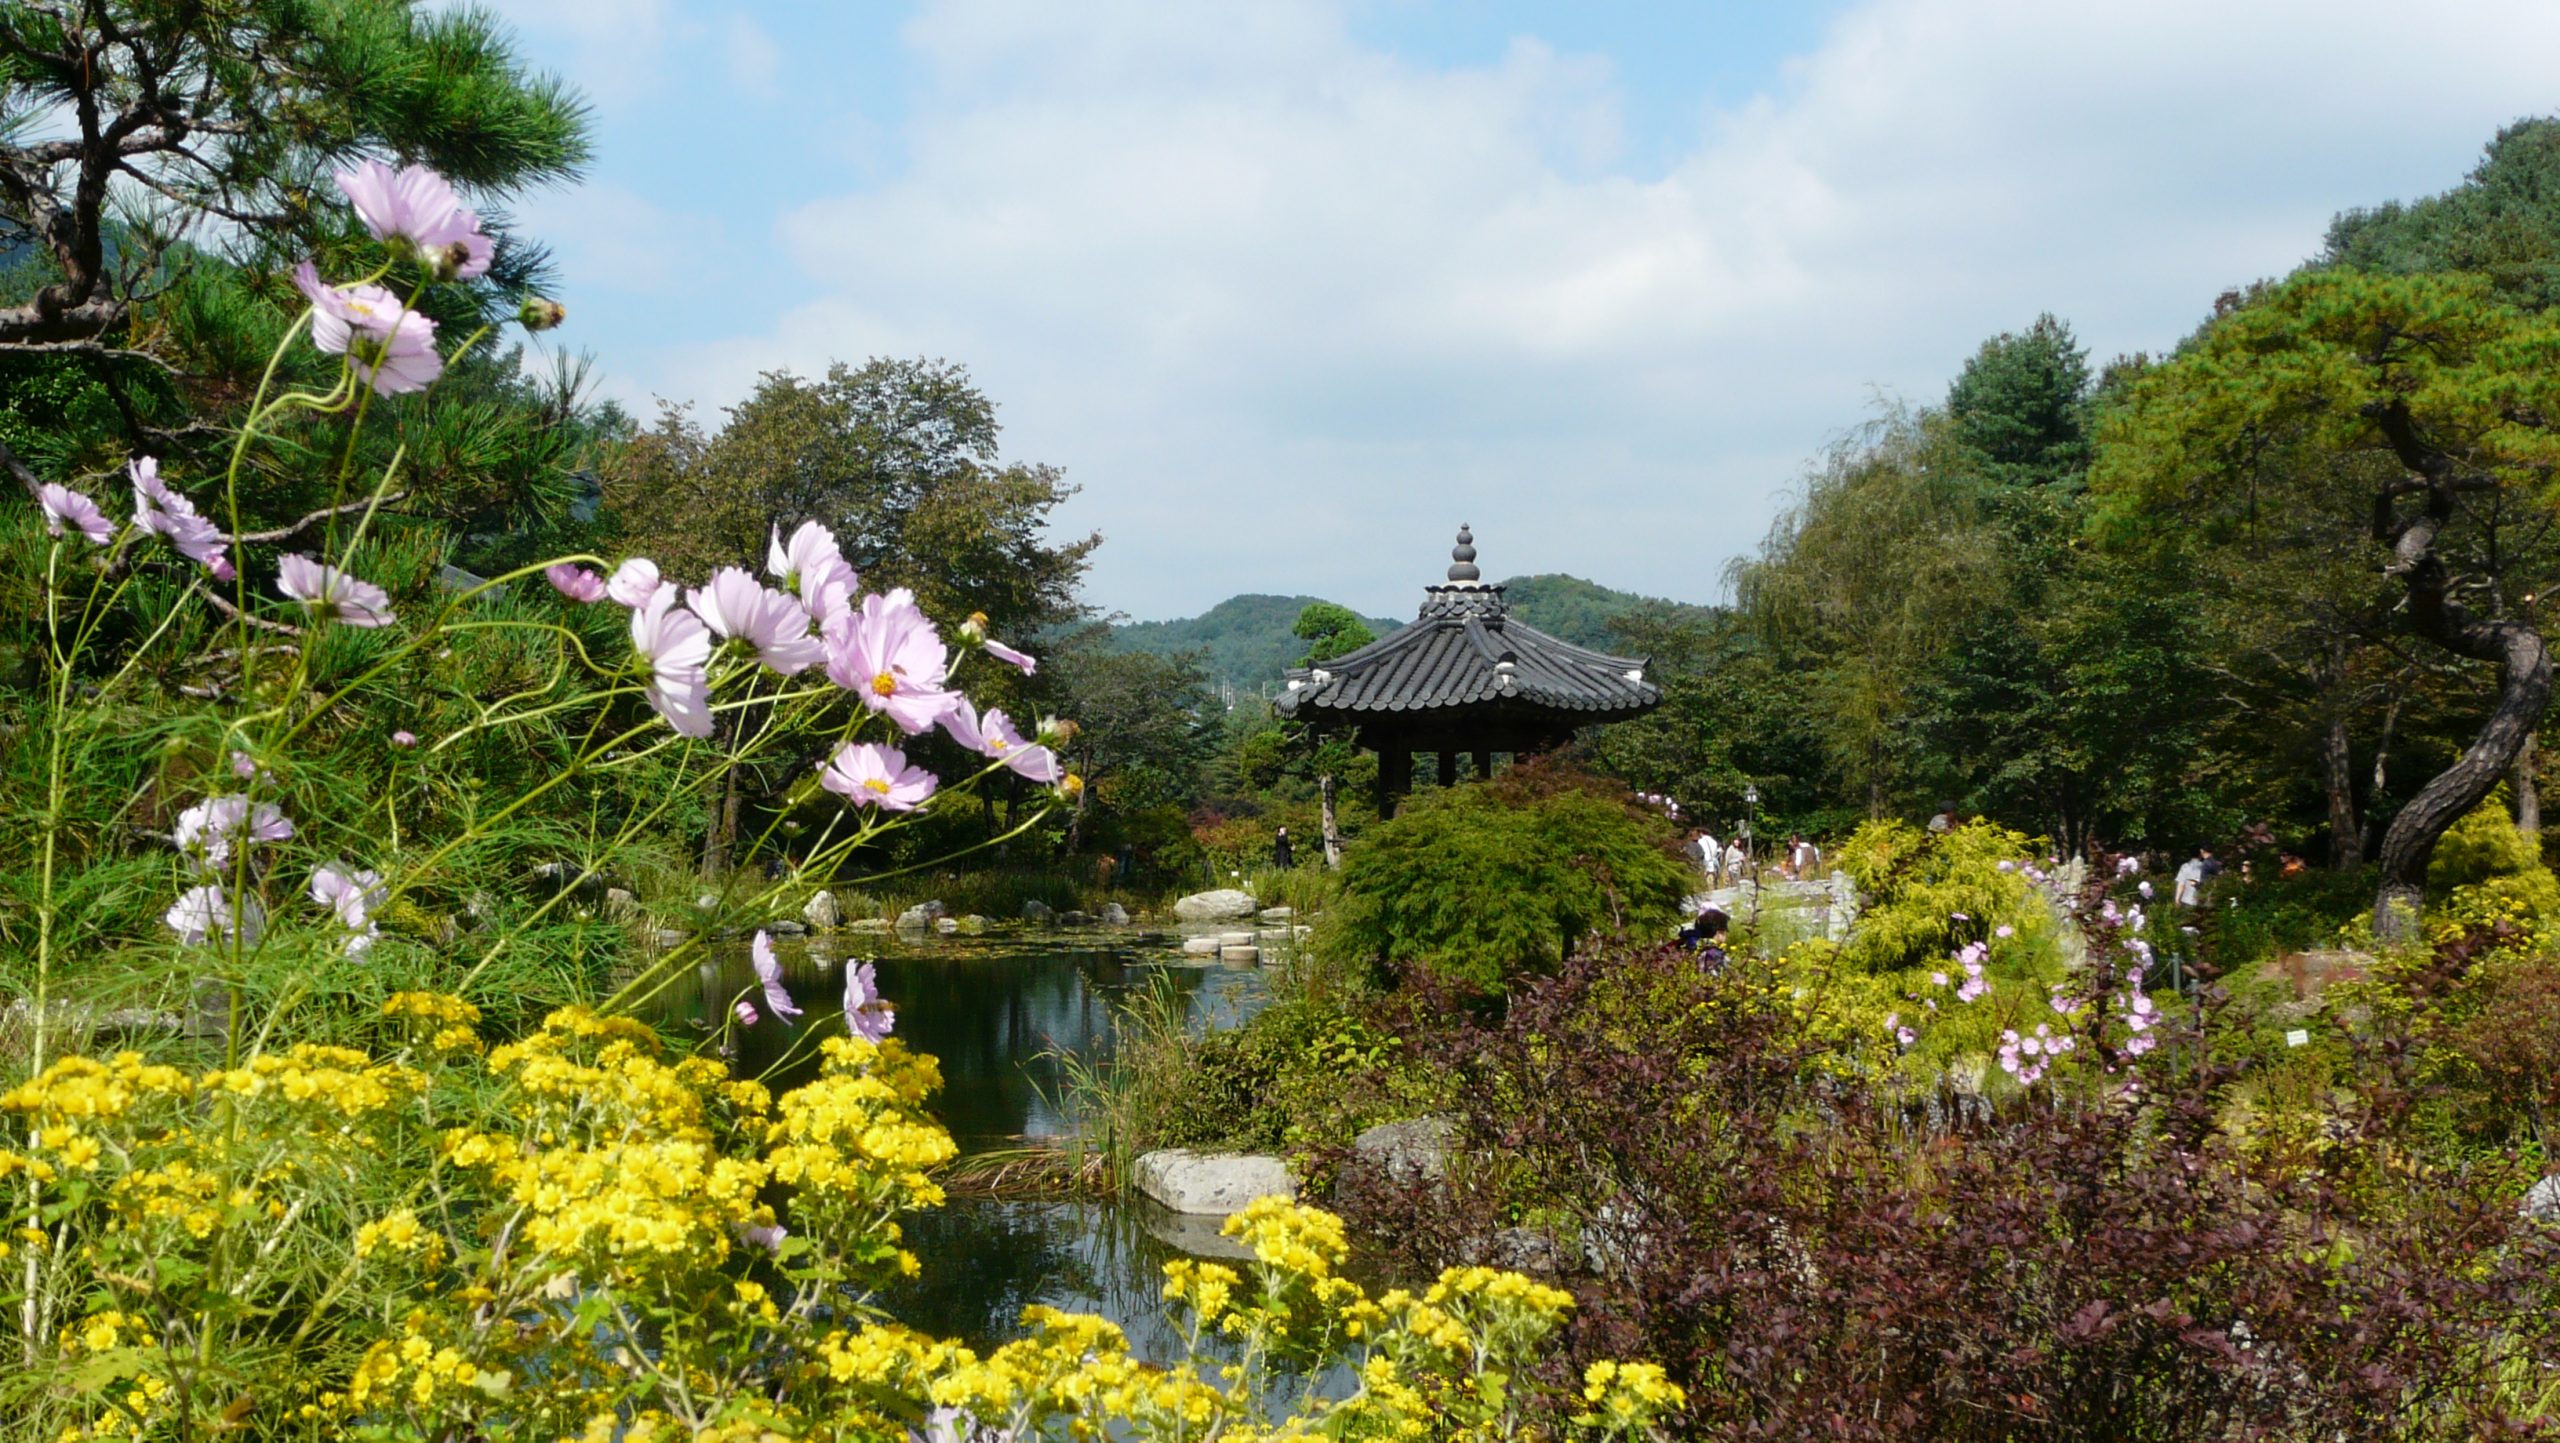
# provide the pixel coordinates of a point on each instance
(997, 745)
(885, 684)
(878, 784)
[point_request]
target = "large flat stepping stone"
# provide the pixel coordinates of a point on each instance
(1217, 906)
(1215, 1183)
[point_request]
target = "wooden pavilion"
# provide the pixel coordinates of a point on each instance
(1465, 677)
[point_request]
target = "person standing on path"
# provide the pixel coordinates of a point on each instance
(2193, 873)
(1283, 856)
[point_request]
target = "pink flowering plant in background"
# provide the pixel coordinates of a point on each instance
(697, 679)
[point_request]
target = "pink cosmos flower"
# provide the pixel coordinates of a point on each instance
(889, 655)
(66, 507)
(416, 205)
(767, 1236)
(204, 912)
(871, 775)
(633, 582)
(574, 582)
(746, 1012)
(674, 648)
(812, 567)
(738, 606)
(769, 973)
(1004, 742)
(404, 738)
(995, 735)
(352, 896)
(326, 588)
(1029, 664)
(2004, 930)
(1937, 979)
(245, 766)
(162, 510)
(392, 348)
(865, 1015)
(206, 830)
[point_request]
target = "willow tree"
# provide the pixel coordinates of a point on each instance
(2427, 403)
(1865, 578)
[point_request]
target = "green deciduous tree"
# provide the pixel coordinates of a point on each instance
(899, 457)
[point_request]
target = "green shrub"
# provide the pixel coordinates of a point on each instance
(1922, 896)
(1479, 884)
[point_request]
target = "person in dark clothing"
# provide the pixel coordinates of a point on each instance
(1706, 935)
(1283, 855)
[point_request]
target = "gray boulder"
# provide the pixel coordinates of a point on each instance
(620, 905)
(1199, 946)
(1415, 1150)
(2542, 1201)
(1212, 1182)
(1278, 914)
(1036, 910)
(1114, 915)
(785, 927)
(1217, 906)
(1075, 919)
(823, 912)
(974, 924)
(919, 917)
(1518, 1250)
(946, 925)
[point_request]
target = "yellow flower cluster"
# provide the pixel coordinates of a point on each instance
(1628, 1396)
(401, 1233)
(860, 1123)
(338, 1078)
(413, 1369)
(84, 1088)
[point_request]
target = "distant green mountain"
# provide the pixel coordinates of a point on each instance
(1576, 610)
(1246, 638)
(1247, 641)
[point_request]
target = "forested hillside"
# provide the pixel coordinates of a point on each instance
(1245, 641)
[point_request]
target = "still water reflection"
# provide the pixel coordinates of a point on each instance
(995, 1010)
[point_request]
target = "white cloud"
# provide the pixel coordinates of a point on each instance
(607, 237)
(751, 56)
(1290, 309)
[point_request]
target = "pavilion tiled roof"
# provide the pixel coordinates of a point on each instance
(1466, 655)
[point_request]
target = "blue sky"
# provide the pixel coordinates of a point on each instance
(1292, 288)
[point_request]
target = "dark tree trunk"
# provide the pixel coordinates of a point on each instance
(2528, 792)
(2337, 771)
(2524, 669)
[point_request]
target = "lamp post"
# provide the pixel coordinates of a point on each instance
(1751, 852)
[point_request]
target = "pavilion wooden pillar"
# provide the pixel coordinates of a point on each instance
(1484, 764)
(1395, 776)
(1448, 766)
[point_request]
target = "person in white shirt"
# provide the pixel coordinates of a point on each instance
(2188, 885)
(1706, 853)
(1736, 860)
(1802, 857)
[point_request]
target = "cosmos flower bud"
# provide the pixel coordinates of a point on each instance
(541, 313)
(1071, 786)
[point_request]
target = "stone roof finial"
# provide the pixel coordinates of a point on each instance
(1462, 558)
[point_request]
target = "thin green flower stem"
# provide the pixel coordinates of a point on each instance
(480, 826)
(258, 412)
(338, 486)
(396, 654)
(629, 829)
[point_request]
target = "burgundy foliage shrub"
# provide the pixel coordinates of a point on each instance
(1815, 1259)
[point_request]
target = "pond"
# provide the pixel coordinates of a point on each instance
(996, 1010)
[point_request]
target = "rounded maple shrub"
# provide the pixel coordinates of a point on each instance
(1478, 885)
